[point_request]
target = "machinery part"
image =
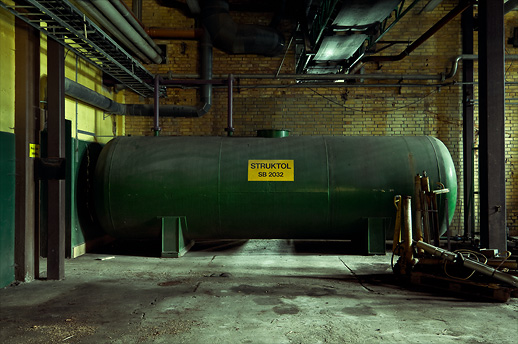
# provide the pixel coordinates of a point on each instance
(335, 183)
(397, 227)
(468, 263)
(272, 133)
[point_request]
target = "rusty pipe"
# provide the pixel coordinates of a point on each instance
(172, 33)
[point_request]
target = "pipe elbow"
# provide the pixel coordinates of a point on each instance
(203, 109)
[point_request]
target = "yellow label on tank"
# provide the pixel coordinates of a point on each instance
(34, 150)
(271, 171)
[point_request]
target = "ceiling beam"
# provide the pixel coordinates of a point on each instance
(431, 5)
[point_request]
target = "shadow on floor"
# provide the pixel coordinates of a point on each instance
(152, 248)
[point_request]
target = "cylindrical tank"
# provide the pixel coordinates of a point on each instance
(305, 187)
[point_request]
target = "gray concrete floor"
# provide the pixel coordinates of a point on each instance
(256, 292)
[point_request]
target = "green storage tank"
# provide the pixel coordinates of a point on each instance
(305, 187)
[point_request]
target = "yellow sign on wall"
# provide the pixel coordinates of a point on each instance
(271, 171)
(34, 150)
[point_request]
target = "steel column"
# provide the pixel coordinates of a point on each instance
(27, 43)
(156, 106)
(468, 123)
(56, 149)
(491, 123)
(230, 100)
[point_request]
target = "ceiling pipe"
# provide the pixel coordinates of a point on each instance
(92, 12)
(183, 79)
(456, 60)
(130, 18)
(235, 38)
(171, 33)
(127, 29)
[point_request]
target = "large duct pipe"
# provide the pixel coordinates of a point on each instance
(90, 97)
(118, 20)
(235, 38)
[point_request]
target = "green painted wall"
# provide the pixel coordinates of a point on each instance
(7, 169)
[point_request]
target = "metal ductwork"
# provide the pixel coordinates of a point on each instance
(235, 38)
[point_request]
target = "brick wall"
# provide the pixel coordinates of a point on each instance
(366, 108)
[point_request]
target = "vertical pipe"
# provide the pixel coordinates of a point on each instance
(156, 108)
(205, 73)
(491, 124)
(27, 75)
(230, 128)
(418, 219)
(468, 121)
(136, 8)
(448, 234)
(56, 149)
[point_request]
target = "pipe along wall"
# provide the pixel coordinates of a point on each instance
(306, 187)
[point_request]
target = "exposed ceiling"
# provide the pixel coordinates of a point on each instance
(331, 36)
(334, 33)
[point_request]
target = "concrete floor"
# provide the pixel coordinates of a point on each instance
(255, 292)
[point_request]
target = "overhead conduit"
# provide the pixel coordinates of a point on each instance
(92, 12)
(109, 16)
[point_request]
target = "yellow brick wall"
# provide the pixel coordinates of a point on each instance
(352, 110)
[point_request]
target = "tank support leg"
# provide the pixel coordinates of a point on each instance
(173, 242)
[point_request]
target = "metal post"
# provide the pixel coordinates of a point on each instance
(491, 114)
(56, 149)
(230, 128)
(468, 122)
(26, 256)
(448, 232)
(156, 109)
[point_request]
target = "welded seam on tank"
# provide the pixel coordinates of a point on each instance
(219, 186)
(436, 159)
(115, 143)
(328, 184)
